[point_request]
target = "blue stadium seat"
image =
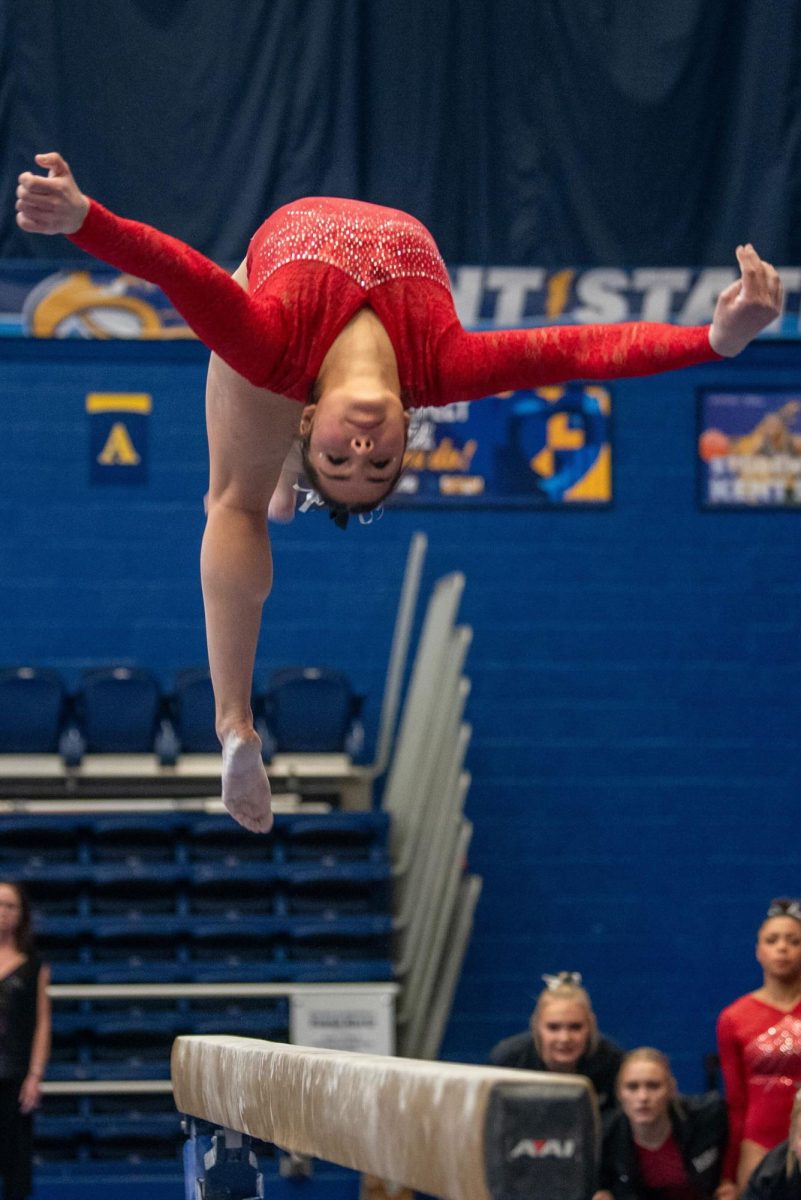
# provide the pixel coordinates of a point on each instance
(63, 926)
(136, 1116)
(135, 923)
(71, 1017)
(219, 840)
(59, 1150)
(338, 889)
(122, 956)
(57, 900)
(132, 1054)
(142, 847)
(135, 1150)
(133, 899)
(69, 958)
(119, 710)
(344, 949)
(339, 970)
(310, 710)
(118, 1017)
(259, 873)
(335, 837)
(192, 711)
(70, 1057)
(46, 848)
(232, 900)
(63, 1117)
(32, 703)
(221, 955)
(257, 1017)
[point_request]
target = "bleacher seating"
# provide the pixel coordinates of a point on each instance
(32, 703)
(192, 711)
(310, 710)
(123, 709)
(185, 897)
(118, 710)
(176, 898)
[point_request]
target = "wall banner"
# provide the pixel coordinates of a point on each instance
(531, 448)
(99, 303)
(118, 437)
(749, 449)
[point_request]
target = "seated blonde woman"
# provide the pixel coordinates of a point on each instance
(563, 1036)
(658, 1145)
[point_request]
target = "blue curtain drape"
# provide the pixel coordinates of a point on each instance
(588, 132)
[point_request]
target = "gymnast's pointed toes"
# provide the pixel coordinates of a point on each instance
(246, 789)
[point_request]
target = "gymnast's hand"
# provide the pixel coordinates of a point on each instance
(51, 203)
(746, 306)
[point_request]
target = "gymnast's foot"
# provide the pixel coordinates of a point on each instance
(245, 786)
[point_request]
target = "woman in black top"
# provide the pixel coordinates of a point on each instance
(24, 1039)
(778, 1176)
(563, 1036)
(659, 1145)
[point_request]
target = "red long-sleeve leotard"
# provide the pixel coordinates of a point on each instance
(314, 263)
(760, 1058)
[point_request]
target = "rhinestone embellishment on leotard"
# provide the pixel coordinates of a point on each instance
(370, 249)
(776, 1053)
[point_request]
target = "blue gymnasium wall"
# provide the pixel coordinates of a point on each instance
(636, 673)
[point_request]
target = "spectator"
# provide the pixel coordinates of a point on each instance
(563, 1036)
(24, 1039)
(778, 1176)
(759, 1040)
(659, 1146)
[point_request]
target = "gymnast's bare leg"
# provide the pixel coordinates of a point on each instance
(251, 432)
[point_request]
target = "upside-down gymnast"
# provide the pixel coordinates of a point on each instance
(345, 308)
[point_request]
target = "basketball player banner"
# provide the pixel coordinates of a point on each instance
(749, 449)
(543, 448)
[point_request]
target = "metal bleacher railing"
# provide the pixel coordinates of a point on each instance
(424, 796)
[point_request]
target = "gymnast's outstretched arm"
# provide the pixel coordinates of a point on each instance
(471, 365)
(248, 333)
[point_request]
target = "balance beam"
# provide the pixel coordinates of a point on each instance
(450, 1130)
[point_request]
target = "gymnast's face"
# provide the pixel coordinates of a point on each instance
(645, 1090)
(356, 442)
(563, 1031)
(779, 947)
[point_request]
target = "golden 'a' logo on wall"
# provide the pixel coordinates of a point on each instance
(118, 436)
(119, 449)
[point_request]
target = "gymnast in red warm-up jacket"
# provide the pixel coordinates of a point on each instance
(344, 308)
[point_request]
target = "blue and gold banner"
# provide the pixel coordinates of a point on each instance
(749, 449)
(545, 447)
(118, 437)
(101, 304)
(85, 304)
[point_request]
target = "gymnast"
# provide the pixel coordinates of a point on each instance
(344, 308)
(759, 1040)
